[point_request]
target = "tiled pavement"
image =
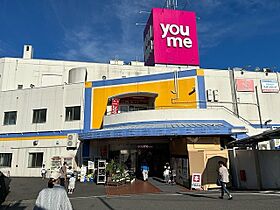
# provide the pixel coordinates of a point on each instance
(137, 187)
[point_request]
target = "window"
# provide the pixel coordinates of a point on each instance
(73, 113)
(5, 159)
(35, 160)
(39, 115)
(10, 118)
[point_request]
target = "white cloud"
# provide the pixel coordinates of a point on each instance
(88, 43)
(236, 19)
(120, 38)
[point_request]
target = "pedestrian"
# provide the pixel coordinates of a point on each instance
(54, 197)
(63, 172)
(145, 170)
(166, 173)
(224, 179)
(43, 171)
(71, 185)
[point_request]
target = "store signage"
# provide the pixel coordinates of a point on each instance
(196, 181)
(170, 37)
(244, 85)
(90, 165)
(115, 105)
(144, 146)
(269, 86)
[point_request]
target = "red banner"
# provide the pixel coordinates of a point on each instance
(115, 105)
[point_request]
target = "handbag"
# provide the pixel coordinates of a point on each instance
(218, 182)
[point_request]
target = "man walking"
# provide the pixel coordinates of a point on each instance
(63, 172)
(224, 179)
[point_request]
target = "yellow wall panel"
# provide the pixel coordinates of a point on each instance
(165, 99)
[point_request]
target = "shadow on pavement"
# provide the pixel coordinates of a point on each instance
(199, 195)
(13, 206)
(106, 204)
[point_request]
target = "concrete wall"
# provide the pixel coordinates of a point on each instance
(270, 169)
(221, 80)
(179, 114)
(20, 150)
(262, 169)
(54, 99)
(39, 72)
(244, 160)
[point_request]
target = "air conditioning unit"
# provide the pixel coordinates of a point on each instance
(264, 146)
(216, 95)
(209, 95)
(72, 140)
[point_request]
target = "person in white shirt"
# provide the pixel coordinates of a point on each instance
(43, 171)
(224, 179)
(71, 185)
(54, 197)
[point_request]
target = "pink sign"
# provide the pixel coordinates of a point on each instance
(170, 37)
(244, 85)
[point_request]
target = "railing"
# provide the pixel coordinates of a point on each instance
(231, 112)
(187, 104)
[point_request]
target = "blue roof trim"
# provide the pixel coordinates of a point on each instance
(146, 78)
(162, 128)
(42, 133)
(119, 133)
(170, 122)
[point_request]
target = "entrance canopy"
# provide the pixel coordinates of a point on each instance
(252, 140)
(163, 128)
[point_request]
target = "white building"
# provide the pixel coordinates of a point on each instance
(187, 113)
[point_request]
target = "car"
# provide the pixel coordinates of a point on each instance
(4, 186)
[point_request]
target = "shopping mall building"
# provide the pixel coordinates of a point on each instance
(166, 109)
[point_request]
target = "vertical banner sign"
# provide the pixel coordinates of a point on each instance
(115, 105)
(196, 181)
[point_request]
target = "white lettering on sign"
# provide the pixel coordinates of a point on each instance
(175, 30)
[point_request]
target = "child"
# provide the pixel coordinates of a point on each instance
(71, 185)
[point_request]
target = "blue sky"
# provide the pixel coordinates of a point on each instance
(231, 33)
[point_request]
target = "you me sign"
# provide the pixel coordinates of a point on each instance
(170, 38)
(173, 41)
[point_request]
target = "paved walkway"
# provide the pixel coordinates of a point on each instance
(137, 187)
(29, 188)
(166, 188)
(165, 197)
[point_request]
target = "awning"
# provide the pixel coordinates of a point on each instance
(251, 140)
(166, 128)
